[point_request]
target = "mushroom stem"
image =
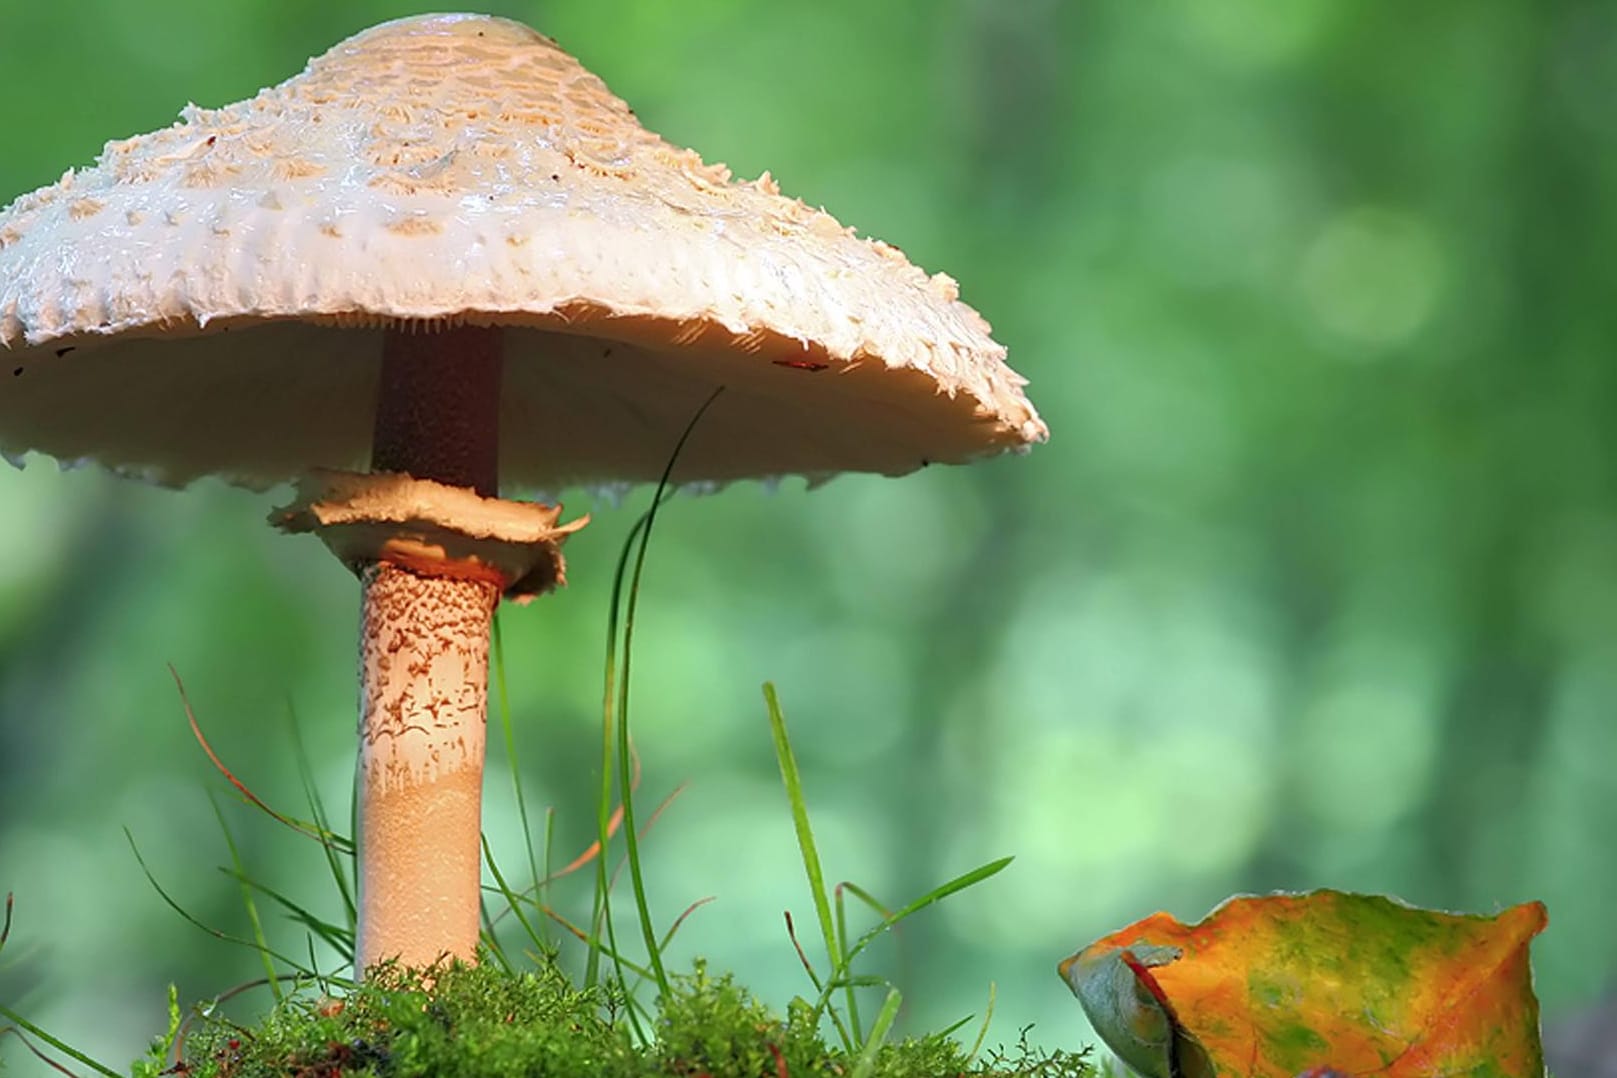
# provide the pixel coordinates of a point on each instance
(424, 666)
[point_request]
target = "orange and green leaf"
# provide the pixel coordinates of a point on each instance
(1270, 987)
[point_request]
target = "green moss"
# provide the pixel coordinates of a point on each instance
(481, 1021)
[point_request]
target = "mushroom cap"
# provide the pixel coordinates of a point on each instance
(211, 298)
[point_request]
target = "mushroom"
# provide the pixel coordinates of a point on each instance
(442, 258)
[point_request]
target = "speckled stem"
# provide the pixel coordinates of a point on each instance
(424, 667)
(424, 661)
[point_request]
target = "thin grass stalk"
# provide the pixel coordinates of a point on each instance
(630, 838)
(248, 901)
(842, 945)
(542, 885)
(601, 906)
(332, 844)
(988, 1017)
(512, 900)
(601, 918)
(503, 698)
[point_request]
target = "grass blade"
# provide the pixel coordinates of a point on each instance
(793, 780)
(866, 897)
(541, 887)
(800, 820)
(937, 894)
(839, 977)
(878, 1035)
(248, 900)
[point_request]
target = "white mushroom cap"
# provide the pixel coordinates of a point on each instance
(209, 298)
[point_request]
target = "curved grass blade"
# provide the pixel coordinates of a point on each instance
(937, 894)
(186, 914)
(601, 906)
(614, 706)
(839, 974)
(334, 936)
(881, 908)
(673, 929)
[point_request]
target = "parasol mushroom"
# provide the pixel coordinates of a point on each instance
(444, 258)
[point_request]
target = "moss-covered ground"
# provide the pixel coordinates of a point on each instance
(485, 1022)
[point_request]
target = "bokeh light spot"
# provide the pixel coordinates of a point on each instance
(1372, 276)
(1256, 33)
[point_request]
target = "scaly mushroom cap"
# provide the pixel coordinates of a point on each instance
(209, 299)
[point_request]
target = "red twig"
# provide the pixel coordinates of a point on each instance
(241, 787)
(227, 995)
(28, 1044)
(808, 966)
(646, 830)
(692, 908)
(593, 849)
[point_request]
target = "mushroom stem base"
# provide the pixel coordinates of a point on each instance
(423, 715)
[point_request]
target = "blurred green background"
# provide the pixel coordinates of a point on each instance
(1315, 583)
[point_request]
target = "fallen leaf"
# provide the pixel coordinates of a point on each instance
(1325, 982)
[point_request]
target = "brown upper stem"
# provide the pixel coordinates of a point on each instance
(438, 406)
